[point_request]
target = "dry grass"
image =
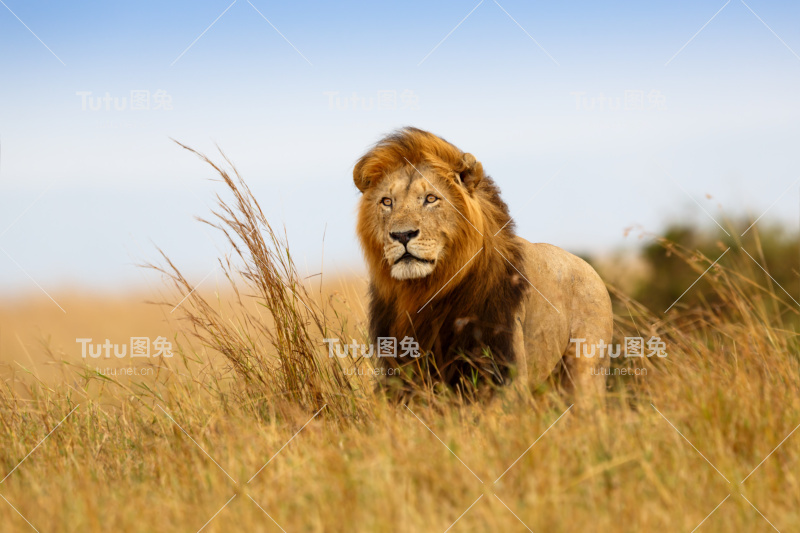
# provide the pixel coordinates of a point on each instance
(256, 371)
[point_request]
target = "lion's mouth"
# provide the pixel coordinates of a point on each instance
(408, 257)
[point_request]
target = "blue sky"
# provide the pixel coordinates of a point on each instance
(85, 194)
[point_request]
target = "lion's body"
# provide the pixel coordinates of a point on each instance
(573, 304)
(448, 271)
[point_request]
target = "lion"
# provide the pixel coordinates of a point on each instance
(447, 271)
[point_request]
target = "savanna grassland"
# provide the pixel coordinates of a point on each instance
(250, 426)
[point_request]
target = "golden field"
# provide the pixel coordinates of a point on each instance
(251, 427)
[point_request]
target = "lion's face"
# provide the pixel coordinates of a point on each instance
(423, 212)
(414, 222)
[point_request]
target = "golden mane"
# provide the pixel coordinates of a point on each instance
(410, 146)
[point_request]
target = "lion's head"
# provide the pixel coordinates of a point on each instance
(436, 235)
(421, 204)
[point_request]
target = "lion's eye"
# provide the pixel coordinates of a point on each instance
(430, 199)
(387, 202)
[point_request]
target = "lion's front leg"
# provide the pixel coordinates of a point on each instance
(522, 361)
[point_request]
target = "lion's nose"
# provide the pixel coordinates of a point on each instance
(404, 236)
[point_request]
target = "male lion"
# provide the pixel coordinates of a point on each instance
(448, 271)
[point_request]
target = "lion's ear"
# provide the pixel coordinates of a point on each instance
(471, 171)
(361, 180)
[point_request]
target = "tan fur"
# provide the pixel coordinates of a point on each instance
(466, 251)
